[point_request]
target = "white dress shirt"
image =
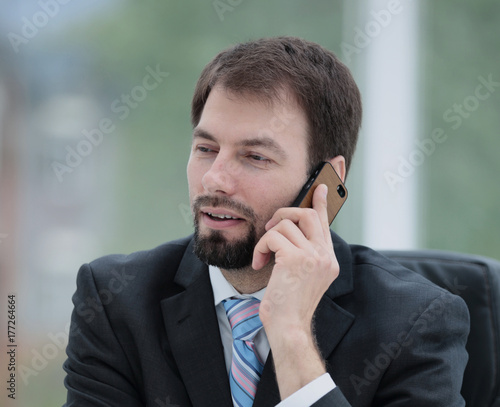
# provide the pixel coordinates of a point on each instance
(222, 289)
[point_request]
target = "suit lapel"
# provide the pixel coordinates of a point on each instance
(331, 324)
(193, 332)
(332, 321)
(268, 393)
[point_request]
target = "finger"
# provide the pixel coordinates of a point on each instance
(306, 219)
(291, 231)
(320, 204)
(271, 242)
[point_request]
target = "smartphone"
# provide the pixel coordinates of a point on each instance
(337, 192)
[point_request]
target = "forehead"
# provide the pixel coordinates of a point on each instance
(237, 117)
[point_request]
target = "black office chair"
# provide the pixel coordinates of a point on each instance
(477, 280)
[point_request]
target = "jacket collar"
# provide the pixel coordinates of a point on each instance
(344, 282)
(193, 333)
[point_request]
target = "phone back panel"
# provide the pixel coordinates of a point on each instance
(335, 198)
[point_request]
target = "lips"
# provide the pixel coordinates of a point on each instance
(221, 214)
(220, 218)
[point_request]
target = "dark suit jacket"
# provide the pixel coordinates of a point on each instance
(145, 332)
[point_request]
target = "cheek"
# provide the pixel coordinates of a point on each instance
(194, 174)
(194, 183)
(287, 191)
(273, 199)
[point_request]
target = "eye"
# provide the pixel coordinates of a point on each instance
(258, 159)
(204, 149)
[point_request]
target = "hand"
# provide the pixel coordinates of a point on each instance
(304, 267)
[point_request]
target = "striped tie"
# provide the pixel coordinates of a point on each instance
(246, 366)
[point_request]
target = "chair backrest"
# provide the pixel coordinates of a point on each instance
(477, 280)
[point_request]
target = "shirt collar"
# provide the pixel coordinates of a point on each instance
(223, 289)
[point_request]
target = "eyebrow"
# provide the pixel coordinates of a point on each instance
(264, 141)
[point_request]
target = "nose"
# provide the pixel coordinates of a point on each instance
(221, 177)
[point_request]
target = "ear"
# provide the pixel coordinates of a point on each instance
(338, 164)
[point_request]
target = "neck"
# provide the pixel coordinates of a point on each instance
(247, 280)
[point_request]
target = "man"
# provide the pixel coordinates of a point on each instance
(342, 325)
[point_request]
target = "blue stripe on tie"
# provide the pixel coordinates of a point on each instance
(244, 358)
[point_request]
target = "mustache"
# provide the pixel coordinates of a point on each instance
(224, 202)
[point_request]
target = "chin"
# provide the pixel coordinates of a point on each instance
(216, 249)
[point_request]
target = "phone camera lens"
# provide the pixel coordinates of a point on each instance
(341, 191)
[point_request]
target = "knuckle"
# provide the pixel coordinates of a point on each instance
(310, 264)
(310, 212)
(326, 263)
(321, 252)
(287, 223)
(272, 234)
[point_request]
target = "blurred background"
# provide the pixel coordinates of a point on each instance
(95, 136)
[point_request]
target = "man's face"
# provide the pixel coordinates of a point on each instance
(248, 159)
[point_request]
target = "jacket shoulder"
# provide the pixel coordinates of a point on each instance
(374, 266)
(147, 267)
(167, 251)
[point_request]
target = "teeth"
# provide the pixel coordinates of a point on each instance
(220, 216)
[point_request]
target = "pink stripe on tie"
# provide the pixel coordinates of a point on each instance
(244, 314)
(243, 380)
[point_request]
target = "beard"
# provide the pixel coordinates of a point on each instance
(213, 248)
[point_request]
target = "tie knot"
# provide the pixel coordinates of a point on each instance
(243, 315)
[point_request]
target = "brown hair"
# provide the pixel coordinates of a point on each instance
(321, 84)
